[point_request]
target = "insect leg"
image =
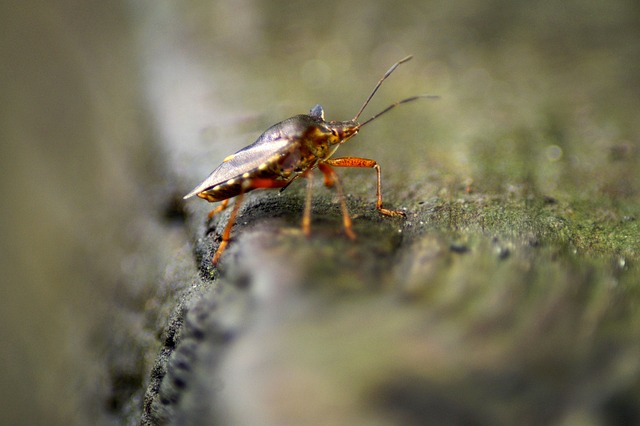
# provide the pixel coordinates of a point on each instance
(364, 162)
(249, 185)
(219, 208)
(226, 234)
(306, 215)
(331, 177)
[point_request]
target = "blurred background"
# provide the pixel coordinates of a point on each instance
(109, 112)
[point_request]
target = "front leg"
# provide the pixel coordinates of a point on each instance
(364, 162)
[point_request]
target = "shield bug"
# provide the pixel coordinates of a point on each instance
(287, 151)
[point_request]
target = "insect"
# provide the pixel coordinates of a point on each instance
(290, 150)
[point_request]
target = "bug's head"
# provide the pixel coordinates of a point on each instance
(342, 131)
(333, 132)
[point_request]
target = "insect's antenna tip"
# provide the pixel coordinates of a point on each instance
(428, 96)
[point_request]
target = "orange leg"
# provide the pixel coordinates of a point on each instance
(218, 209)
(306, 215)
(364, 162)
(226, 233)
(331, 178)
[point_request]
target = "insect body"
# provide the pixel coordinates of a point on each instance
(287, 151)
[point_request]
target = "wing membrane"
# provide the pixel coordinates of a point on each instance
(244, 161)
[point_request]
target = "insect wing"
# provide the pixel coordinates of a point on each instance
(244, 161)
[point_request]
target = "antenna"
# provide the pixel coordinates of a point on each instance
(392, 106)
(375, 89)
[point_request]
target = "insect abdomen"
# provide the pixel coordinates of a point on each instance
(222, 191)
(270, 171)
